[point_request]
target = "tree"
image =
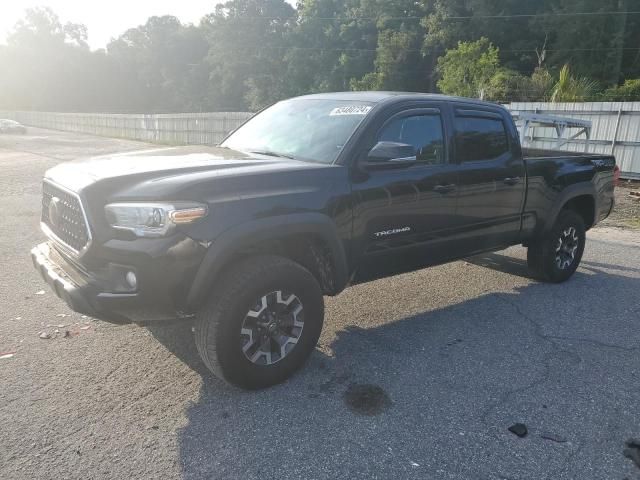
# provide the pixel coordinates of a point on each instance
(592, 44)
(399, 63)
(247, 54)
(629, 91)
(326, 48)
(160, 66)
(43, 64)
(467, 70)
(248, 46)
(393, 65)
(572, 89)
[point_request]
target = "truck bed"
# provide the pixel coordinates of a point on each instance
(539, 153)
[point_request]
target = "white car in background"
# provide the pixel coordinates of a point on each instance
(11, 126)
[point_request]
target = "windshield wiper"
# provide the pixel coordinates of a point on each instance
(269, 153)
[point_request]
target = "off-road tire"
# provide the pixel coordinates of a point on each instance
(219, 322)
(541, 255)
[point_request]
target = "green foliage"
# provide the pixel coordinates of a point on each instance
(248, 40)
(505, 85)
(467, 70)
(508, 86)
(392, 66)
(572, 89)
(540, 85)
(630, 90)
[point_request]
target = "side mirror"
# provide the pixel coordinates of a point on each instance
(390, 155)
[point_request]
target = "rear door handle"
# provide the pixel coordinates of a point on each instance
(444, 188)
(512, 180)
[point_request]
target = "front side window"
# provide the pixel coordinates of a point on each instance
(423, 132)
(314, 130)
(479, 138)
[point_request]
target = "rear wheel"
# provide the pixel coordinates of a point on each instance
(262, 323)
(555, 256)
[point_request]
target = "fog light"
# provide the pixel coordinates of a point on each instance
(131, 279)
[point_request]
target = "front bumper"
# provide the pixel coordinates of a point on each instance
(92, 293)
(74, 295)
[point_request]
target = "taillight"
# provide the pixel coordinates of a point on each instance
(616, 176)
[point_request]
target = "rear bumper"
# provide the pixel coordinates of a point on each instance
(93, 295)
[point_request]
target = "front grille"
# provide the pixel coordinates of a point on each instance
(66, 218)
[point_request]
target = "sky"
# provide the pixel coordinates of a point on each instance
(105, 19)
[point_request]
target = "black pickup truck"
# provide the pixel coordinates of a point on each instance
(307, 197)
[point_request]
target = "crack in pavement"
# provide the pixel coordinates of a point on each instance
(596, 343)
(537, 331)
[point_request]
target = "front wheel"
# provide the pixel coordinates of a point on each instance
(262, 323)
(556, 255)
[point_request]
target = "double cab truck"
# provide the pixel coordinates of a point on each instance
(309, 196)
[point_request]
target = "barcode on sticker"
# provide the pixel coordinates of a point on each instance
(350, 110)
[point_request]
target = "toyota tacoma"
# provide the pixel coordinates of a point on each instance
(309, 196)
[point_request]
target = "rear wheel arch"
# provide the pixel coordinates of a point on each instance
(585, 206)
(579, 197)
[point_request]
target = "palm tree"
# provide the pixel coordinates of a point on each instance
(571, 89)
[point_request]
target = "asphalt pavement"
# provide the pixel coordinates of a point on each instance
(417, 376)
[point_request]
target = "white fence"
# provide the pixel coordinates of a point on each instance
(616, 127)
(178, 128)
(615, 130)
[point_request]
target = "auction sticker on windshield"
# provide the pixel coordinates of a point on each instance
(351, 110)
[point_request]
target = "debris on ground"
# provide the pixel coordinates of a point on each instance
(62, 315)
(519, 429)
(4, 355)
(632, 452)
(45, 335)
(553, 437)
(414, 464)
(87, 327)
(626, 213)
(40, 292)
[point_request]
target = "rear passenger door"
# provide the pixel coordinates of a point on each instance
(491, 178)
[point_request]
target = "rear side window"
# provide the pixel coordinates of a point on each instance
(423, 132)
(479, 138)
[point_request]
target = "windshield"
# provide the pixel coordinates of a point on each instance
(305, 129)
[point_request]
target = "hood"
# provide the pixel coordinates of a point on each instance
(162, 163)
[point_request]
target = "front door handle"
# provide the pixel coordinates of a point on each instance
(444, 188)
(512, 180)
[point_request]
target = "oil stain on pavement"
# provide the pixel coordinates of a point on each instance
(366, 399)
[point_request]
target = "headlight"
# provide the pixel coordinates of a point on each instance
(152, 219)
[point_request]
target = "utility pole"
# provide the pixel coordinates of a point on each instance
(622, 30)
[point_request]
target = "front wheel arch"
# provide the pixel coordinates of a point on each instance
(256, 237)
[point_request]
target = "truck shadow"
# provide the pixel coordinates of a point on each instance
(470, 367)
(502, 263)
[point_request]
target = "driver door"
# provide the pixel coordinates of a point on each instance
(405, 213)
